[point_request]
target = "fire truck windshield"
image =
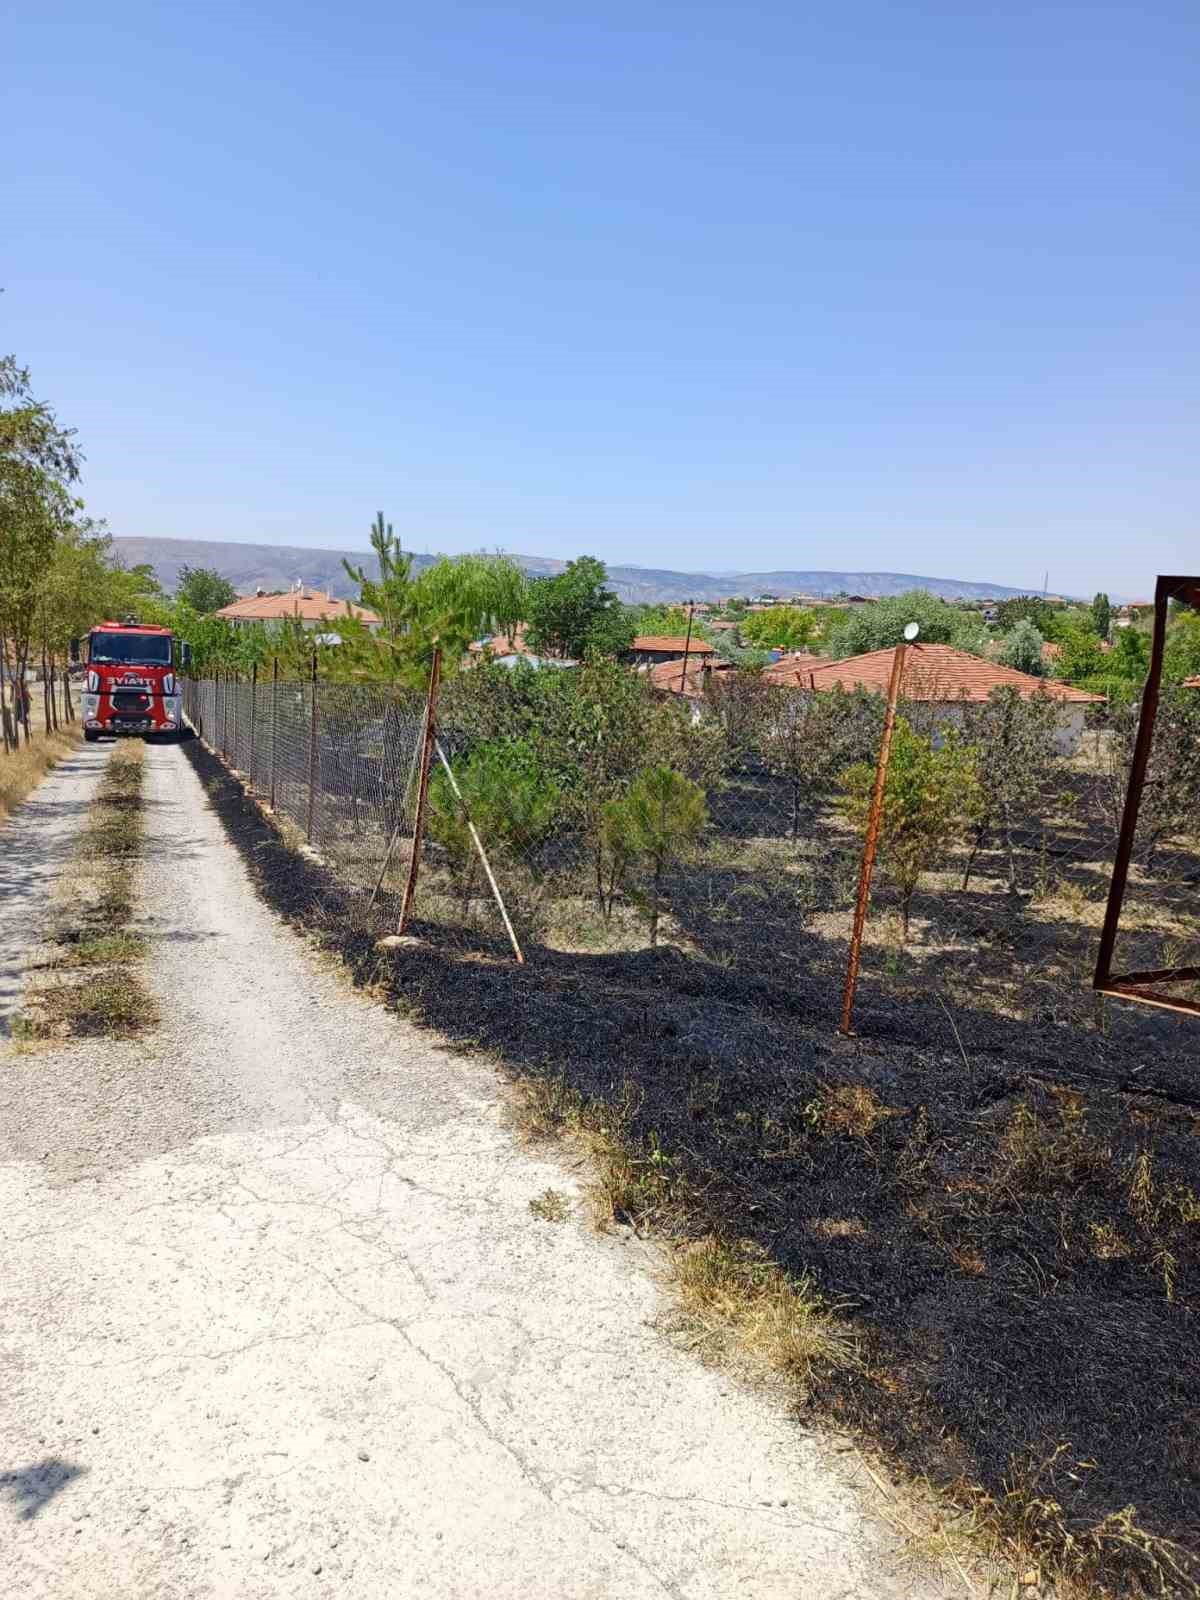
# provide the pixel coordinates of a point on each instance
(132, 649)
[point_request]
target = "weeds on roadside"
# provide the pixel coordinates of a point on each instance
(87, 986)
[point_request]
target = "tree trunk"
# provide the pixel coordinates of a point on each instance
(654, 902)
(977, 846)
(46, 708)
(68, 708)
(905, 910)
(5, 720)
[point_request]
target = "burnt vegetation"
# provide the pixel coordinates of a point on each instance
(971, 1236)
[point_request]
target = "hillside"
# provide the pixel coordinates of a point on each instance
(250, 566)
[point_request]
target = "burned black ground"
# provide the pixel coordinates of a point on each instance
(1012, 1222)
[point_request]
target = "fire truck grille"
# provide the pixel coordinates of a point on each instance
(131, 702)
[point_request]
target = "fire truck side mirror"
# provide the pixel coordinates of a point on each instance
(74, 650)
(185, 653)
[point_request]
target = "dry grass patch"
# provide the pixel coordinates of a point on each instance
(22, 770)
(87, 984)
(744, 1305)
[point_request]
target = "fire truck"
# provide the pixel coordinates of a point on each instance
(131, 685)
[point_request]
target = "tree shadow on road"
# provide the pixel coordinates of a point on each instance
(31, 1489)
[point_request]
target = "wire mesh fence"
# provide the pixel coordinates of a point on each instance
(728, 824)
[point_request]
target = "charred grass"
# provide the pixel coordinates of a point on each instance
(86, 984)
(971, 1242)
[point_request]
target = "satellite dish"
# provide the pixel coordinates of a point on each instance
(911, 632)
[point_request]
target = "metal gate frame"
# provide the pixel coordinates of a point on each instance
(1145, 987)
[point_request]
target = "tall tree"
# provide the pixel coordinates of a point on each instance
(574, 614)
(39, 461)
(204, 589)
(1102, 614)
(1023, 649)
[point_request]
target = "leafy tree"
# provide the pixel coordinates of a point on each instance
(930, 796)
(1181, 658)
(657, 822)
(882, 625)
(1023, 650)
(669, 620)
(780, 628)
(204, 589)
(1081, 656)
(1028, 608)
(510, 798)
(39, 461)
(448, 605)
(1015, 755)
(1130, 656)
(574, 615)
(1102, 614)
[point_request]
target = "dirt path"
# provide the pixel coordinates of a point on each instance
(34, 847)
(278, 1319)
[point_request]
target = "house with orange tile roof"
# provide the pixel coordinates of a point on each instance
(309, 607)
(649, 649)
(941, 675)
(672, 677)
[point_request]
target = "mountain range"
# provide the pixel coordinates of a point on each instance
(269, 566)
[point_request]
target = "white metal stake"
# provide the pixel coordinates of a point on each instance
(482, 852)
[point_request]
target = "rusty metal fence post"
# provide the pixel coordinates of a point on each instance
(312, 750)
(274, 722)
(871, 845)
(435, 673)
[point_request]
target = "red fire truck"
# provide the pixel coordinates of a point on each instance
(131, 684)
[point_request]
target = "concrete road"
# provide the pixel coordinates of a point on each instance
(277, 1319)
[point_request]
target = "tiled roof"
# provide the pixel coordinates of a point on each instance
(793, 670)
(940, 672)
(660, 643)
(670, 676)
(503, 644)
(309, 605)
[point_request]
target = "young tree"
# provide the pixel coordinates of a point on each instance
(204, 589)
(1101, 615)
(574, 615)
(510, 798)
(1022, 649)
(1014, 744)
(658, 822)
(811, 738)
(931, 795)
(780, 628)
(447, 606)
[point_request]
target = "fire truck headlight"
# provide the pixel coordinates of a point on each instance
(168, 683)
(93, 681)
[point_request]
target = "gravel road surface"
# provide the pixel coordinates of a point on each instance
(276, 1318)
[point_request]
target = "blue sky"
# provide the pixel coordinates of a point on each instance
(867, 285)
